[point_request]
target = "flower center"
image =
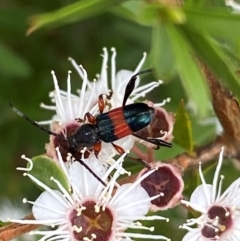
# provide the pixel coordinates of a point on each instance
(92, 222)
(161, 181)
(219, 221)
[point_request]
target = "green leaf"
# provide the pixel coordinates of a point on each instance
(162, 13)
(193, 3)
(147, 14)
(71, 13)
(133, 11)
(2, 224)
(44, 168)
(12, 64)
(183, 129)
(212, 55)
(126, 13)
(191, 181)
(216, 21)
(161, 55)
(190, 73)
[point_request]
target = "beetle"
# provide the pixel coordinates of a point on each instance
(109, 126)
(115, 124)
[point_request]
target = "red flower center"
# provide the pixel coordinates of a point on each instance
(92, 222)
(220, 220)
(163, 181)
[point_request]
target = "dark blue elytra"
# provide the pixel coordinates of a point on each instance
(138, 116)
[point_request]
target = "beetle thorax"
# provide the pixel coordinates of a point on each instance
(85, 137)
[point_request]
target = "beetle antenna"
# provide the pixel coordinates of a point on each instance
(131, 85)
(35, 123)
(58, 136)
(91, 171)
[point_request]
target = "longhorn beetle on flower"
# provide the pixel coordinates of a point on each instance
(108, 127)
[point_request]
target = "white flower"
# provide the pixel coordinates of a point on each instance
(69, 106)
(235, 6)
(220, 216)
(10, 208)
(89, 210)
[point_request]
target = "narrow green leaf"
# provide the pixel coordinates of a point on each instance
(12, 64)
(146, 14)
(126, 13)
(44, 168)
(211, 54)
(163, 13)
(183, 129)
(161, 55)
(215, 21)
(191, 76)
(71, 13)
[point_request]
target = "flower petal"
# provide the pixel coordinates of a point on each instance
(200, 196)
(48, 207)
(83, 180)
(231, 195)
(193, 235)
(126, 142)
(122, 78)
(129, 202)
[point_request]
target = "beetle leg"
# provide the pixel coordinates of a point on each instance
(155, 141)
(101, 103)
(109, 96)
(159, 142)
(80, 120)
(131, 85)
(91, 119)
(119, 149)
(97, 148)
(140, 160)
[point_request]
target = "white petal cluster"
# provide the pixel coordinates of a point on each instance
(69, 106)
(128, 202)
(208, 197)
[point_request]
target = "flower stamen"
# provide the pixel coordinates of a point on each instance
(26, 169)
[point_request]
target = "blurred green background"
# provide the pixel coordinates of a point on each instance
(162, 30)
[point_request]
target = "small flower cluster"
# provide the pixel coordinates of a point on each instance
(89, 197)
(220, 213)
(91, 204)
